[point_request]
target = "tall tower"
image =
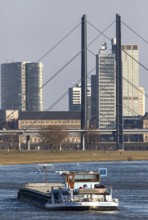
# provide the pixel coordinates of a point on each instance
(105, 73)
(21, 86)
(119, 88)
(84, 116)
(130, 68)
(34, 82)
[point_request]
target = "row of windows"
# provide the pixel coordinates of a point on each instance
(107, 100)
(107, 94)
(106, 122)
(74, 135)
(106, 72)
(106, 66)
(37, 140)
(50, 122)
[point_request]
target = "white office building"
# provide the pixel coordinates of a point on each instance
(106, 80)
(104, 85)
(75, 98)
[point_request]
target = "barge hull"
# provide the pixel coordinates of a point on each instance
(83, 206)
(43, 201)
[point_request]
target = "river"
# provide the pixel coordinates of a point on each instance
(129, 181)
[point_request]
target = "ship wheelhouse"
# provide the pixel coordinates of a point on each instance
(78, 180)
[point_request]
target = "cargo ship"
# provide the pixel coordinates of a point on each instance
(79, 191)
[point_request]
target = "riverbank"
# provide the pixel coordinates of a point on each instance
(30, 157)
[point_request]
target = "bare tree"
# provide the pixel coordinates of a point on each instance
(91, 138)
(53, 136)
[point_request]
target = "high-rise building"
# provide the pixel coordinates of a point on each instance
(21, 86)
(106, 90)
(104, 86)
(75, 98)
(130, 68)
(141, 101)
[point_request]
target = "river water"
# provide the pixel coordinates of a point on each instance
(129, 181)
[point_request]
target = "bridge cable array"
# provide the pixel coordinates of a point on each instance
(43, 56)
(63, 67)
(49, 51)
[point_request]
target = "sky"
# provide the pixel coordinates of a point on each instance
(30, 28)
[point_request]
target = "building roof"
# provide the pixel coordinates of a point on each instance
(48, 115)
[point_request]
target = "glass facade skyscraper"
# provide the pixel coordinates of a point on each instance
(106, 89)
(104, 86)
(21, 86)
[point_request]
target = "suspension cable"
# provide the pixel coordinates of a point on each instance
(137, 88)
(63, 67)
(60, 41)
(142, 65)
(135, 32)
(101, 32)
(124, 105)
(67, 62)
(60, 98)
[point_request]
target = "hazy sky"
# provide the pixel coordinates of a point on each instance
(29, 28)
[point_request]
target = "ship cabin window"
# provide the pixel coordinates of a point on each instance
(70, 178)
(86, 177)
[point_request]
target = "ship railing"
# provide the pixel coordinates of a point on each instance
(79, 198)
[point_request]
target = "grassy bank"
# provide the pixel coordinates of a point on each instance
(25, 157)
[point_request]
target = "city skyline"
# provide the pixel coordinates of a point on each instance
(21, 86)
(30, 29)
(103, 87)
